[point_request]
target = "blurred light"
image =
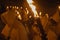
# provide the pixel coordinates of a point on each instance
(30, 16)
(18, 15)
(59, 7)
(40, 13)
(17, 7)
(10, 6)
(16, 11)
(30, 2)
(7, 7)
(47, 15)
(37, 16)
(21, 7)
(13, 7)
(27, 10)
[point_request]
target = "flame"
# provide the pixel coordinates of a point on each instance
(27, 11)
(30, 2)
(18, 15)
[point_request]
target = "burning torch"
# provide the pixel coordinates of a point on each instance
(37, 19)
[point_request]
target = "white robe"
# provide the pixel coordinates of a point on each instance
(18, 31)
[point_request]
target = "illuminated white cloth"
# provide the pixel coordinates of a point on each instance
(18, 32)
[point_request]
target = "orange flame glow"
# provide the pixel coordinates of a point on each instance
(18, 15)
(30, 2)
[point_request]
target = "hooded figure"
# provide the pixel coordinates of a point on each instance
(2, 24)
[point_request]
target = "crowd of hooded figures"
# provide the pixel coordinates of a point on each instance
(31, 29)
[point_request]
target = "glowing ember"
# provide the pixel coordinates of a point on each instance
(30, 2)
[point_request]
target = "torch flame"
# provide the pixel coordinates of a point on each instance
(18, 15)
(30, 2)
